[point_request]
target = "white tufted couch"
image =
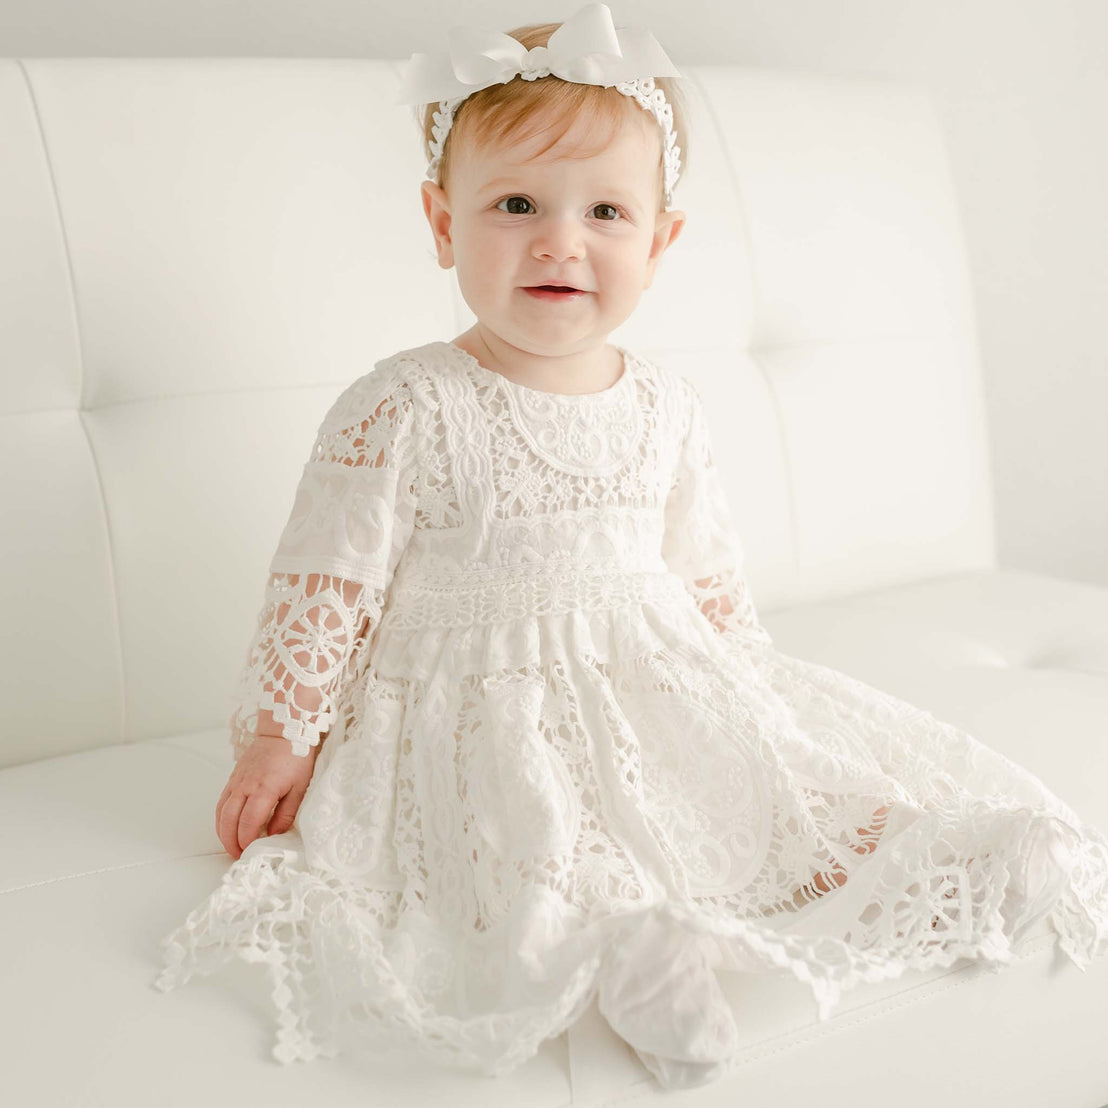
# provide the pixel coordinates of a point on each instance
(195, 258)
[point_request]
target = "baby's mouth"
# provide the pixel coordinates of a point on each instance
(552, 290)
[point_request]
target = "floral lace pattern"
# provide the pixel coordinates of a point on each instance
(564, 760)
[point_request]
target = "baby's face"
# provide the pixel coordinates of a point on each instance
(513, 220)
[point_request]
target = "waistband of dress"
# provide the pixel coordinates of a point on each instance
(512, 593)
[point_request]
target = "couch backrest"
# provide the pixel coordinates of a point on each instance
(198, 255)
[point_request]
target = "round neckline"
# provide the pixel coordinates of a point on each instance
(615, 386)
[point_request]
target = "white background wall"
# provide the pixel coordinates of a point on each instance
(1021, 87)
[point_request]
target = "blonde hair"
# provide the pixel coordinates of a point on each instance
(502, 112)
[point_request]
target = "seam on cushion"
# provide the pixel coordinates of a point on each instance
(108, 869)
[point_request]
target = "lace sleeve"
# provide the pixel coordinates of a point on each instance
(352, 516)
(700, 542)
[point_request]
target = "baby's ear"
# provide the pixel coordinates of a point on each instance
(667, 228)
(436, 206)
(674, 220)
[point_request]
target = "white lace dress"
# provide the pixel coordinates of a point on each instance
(563, 759)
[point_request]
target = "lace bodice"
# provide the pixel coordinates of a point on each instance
(438, 492)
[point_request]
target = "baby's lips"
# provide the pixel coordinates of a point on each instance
(557, 285)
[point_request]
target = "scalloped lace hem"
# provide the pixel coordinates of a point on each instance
(339, 982)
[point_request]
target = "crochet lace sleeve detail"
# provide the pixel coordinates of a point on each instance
(700, 542)
(351, 518)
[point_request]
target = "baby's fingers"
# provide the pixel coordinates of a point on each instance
(227, 814)
(285, 812)
(254, 816)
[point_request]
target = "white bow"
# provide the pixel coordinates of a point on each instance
(587, 49)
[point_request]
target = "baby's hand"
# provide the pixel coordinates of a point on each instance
(267, 774)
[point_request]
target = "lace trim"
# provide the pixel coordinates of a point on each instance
(508, 594)
(309, 645)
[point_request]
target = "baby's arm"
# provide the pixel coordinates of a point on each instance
(307, 652)
(351, 520)
(700, 542)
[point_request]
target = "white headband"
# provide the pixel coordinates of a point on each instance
(587, 49)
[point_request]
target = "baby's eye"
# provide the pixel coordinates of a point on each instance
(524, 200)
(508, 199)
